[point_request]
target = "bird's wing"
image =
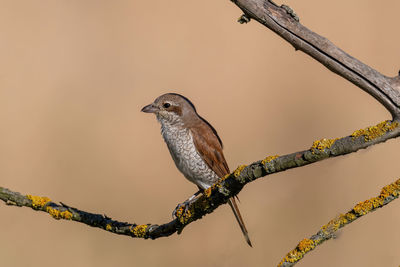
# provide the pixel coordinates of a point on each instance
(210, 148)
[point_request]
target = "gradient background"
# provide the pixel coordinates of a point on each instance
(74, 75)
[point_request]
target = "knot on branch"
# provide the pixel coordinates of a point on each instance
(244, 19)
(291, 12)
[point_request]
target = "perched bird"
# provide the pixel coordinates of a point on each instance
(193, 143)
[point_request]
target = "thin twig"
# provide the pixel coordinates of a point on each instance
(387, 195)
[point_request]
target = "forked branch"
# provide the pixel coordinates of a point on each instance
(385, 89)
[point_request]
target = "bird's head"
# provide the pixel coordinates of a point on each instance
(173, 109)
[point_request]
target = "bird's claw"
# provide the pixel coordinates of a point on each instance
(182, 208)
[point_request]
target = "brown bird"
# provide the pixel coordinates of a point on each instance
(193, 143)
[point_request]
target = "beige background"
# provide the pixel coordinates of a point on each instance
(74, 75)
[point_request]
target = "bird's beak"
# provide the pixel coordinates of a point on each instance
(150, 109)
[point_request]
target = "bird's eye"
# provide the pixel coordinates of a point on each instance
(166, 105)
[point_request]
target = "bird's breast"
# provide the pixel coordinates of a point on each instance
(184, 153)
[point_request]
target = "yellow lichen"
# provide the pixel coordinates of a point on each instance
(377, 202)
(207, 192)
(108, 227)
(56, 214)
(269, 159)
(328, 229)
(350, 216)
(222, 179)
(38, 202)
(323, 143)
(238, 170)
(66, 215)
(292, 256)
(335, 224)
(391, 190)
(363, 207)
(373, 132)
(184, 216)
(139, 230)
(296, 254)
(306, 245)
(366, 206)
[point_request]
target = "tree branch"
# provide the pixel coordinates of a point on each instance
(387, 195)
(219, 193)
(62, 211)
(384, 89)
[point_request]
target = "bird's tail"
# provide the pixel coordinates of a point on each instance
(235, 209)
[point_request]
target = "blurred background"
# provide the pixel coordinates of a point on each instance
(75, 74)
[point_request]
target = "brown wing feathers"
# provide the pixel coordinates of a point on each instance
(210, 149)
(209, 146)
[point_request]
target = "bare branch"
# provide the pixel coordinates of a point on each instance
(387, 195)
(219, 193)
(395, 81)
(384, 89)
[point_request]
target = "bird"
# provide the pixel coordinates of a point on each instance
(193, 144)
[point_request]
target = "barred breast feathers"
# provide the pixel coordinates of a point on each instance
(187, 159)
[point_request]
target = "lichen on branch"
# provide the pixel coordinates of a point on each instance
(327, 231)
(226, 187)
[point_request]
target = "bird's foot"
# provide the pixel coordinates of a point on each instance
(288, 10)
(183, 211)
